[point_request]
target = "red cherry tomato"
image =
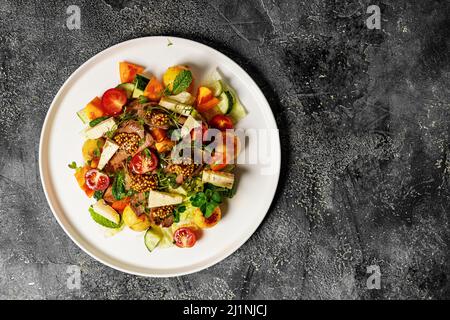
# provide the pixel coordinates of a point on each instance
(142, 162)
(221, 122)
(184, 237)
(218, 162)
(113, 101)
(96, 180)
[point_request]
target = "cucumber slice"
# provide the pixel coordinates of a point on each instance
(152, 238)
(128, 87)
(238, 111)
(226, 102)
(217, 87)
(140, 83)
(83, 116)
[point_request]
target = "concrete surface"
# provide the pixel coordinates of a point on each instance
(364, 117)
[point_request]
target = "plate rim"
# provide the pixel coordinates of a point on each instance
(44, 136)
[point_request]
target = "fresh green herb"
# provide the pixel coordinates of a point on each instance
(207, 201)
(95, 122)
(182, 81)
(110, 134)
(209, 209)
(178, 210)
(142, 99)
(147, 152)
(141, 121)
(193, 185)
(97, 152)
(73, 165)
(130, 193)
(224, 192)
(169, 43)
(166, 181)
(98, 194)
(118, 186)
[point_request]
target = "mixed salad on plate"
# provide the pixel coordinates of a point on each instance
(159, 155)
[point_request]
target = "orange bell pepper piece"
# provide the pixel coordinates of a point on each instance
(94, 163)
(128, 71)
(165, 145)
(158, 134)
(208, 105)
(154, 89)
(80, 176)
(204, 95)
(120, 205)
(94, 109)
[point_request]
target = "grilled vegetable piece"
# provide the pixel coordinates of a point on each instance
(133, 221)
(203, 222)
(100, 129)
(220, 179)
(160, 199)
(175, 106)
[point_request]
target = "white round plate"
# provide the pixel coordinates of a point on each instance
(61, 144)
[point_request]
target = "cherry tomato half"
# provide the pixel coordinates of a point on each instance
(96, 180)
(113, 100)
(184, 237)
(144, 162)
(221, 122)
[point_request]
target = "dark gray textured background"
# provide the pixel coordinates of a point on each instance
(364, 118)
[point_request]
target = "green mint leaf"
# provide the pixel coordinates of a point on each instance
(216, 197)
(210, 207)
(198, 199)
(182, 81)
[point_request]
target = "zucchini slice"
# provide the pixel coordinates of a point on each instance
(226, 102)
(152, 238)
(217, 87)
(128, 87)
(83, 116)
(140, 83)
